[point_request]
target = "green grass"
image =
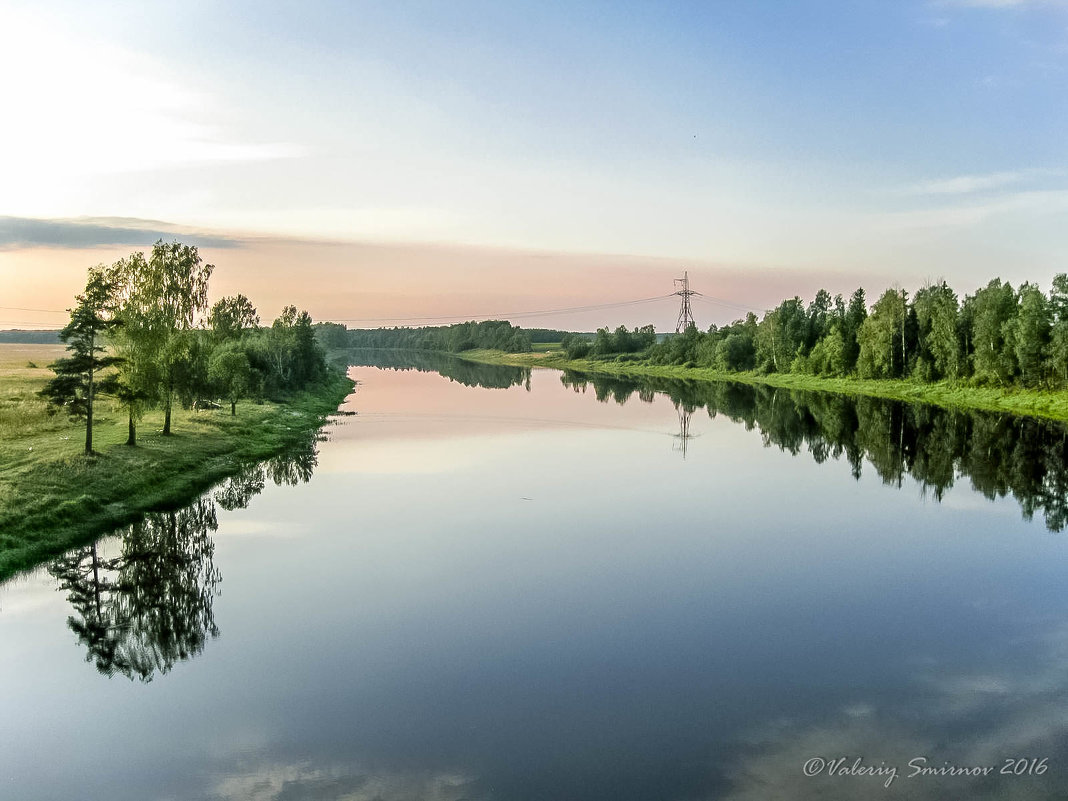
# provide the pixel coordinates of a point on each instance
(52, 497)
(1033, 402)
(545, 347)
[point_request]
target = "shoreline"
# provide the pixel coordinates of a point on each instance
(1033, 403)
(58, 503)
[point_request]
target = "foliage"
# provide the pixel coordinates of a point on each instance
(495, 334)
(78, 377)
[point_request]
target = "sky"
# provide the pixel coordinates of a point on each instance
(379, 163)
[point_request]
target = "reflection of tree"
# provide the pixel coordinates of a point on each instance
(296, 465)
(143, 611)
(1001, 454)
(471, 374)
(241, 488)
(150, 607)
(293, 467)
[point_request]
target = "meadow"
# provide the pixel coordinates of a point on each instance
(52, 497)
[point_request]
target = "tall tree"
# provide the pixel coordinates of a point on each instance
(1030, 334)
(856, 314)
(819, 311)
(172, 291)
(992, 310)
(1058, 349)
(882, 337)
(937, 312)
(138, 341)
(78, 377)
(232, 316)
(230, 373)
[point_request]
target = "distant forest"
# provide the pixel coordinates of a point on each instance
(492, 334)
(998, 336)
(21, 337)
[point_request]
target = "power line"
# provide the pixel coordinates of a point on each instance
(519, 314)
(727, 303)
(516, 314)
(46, 311)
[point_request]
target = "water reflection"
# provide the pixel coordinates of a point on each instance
(1001, 454)
(643, 627)
(468, 373)
(143, 611)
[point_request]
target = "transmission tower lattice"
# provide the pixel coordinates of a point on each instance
(684, 435)
(685, 313)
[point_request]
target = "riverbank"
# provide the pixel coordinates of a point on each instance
(953, 395)
(53, 498)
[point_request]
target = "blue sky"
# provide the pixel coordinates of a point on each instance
(914, 139)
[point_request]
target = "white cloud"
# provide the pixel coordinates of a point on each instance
(78, 111)
(1034, 203)
(967, 184)
(1002, 3)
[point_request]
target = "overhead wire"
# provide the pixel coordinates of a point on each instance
(43, 311)
(513, 315)
(442, 318)
(727, 303)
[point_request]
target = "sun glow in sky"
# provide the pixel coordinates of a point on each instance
(393, 160)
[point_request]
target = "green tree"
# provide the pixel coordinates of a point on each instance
(828, 357)
(781, 335)
(855, 315)
(1030, 334)
(231, 373)
(137, 342)
(992, 311)
(78, 379)
(939, 346)
(171, 290)
(819, 313)
(1058, 349)
(882, 337)
(230, 317)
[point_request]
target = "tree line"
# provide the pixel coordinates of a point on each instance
(606, 343)
(998, 336)
(492, 334)
(142, 332)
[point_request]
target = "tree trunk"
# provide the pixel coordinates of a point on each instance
(89, 400)
(167, 416)
(131, 440)
(233, 408)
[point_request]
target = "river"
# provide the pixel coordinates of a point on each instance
(494, 583)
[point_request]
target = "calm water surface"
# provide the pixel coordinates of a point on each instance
(491, 584)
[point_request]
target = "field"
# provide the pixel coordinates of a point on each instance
(53, 497)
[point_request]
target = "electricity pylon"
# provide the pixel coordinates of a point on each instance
(685, 313)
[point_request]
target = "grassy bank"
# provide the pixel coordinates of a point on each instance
(1037, 403)
(53, 498)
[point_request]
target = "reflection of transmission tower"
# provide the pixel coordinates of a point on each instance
(684, 434)
(685, 314)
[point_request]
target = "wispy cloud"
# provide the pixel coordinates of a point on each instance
(983, 182)
(1000, 3)
(79, 111)
(26, 232)
(974, 212)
